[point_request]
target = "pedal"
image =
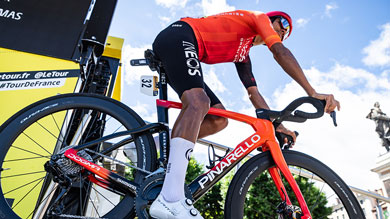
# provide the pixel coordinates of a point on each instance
(149, 85)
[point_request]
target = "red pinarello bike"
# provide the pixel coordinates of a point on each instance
(61, 154)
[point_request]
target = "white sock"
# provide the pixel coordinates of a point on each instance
(179, 155)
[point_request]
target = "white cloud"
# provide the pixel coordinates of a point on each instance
(164, 20)
(329, 8)
(351, 148)
(211, 7)
(213, 82)
(172, 3)
(301, 22)
(378, 52)
(142, 109)
(132, 73)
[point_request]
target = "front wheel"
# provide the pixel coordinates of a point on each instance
(252, 193)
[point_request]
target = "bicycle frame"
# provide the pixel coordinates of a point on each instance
(263, 137)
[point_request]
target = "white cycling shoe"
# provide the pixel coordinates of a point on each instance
(182, 209)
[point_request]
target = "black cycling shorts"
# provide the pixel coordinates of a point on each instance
(177, 48)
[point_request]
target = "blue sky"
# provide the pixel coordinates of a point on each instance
(343, 47)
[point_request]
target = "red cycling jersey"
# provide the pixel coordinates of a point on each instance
(227, 37)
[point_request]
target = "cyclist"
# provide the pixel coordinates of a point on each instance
(225, 37)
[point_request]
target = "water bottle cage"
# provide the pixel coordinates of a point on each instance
(215, 157)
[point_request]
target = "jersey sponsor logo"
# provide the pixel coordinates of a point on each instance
(236, 154)
(234, 13)
(243, 49)
(191, 55)
(14, 15)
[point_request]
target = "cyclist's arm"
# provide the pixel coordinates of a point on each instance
(290, 65)
(244, 70)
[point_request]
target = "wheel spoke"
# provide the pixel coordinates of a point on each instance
(37, 143)
(58, 127)
(13, 146)
(28, 158)
(22, 174)
(103, 195)
(56, 137)
(43, 200)
(22, 186)
(97, 212)
(89, 133)
(27, 193)
(317, 199)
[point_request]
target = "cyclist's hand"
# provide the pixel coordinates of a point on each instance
(331, 102)
(286, 131)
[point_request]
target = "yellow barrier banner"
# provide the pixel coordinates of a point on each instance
(24, 79)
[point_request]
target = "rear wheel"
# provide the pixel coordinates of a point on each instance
(33, 135)
(252, 193)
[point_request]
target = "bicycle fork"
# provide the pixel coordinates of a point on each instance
(281, 166)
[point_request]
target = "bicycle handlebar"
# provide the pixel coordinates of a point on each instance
(291, 114)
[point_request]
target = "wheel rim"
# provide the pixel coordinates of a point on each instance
(24, 179)
(262, 198)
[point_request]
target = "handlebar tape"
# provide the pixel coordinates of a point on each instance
(318, 104)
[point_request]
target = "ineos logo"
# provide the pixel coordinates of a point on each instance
(192, 59)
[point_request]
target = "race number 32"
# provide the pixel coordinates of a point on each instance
(148, 85)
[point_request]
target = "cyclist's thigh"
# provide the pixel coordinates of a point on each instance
(176, 47)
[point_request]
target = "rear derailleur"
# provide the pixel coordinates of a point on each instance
(65, 173)
(64, 183)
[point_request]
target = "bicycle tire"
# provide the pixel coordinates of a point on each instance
(120, 114)
(239, 190)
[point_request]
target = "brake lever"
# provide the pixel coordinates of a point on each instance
(281, 136)
(333, 115)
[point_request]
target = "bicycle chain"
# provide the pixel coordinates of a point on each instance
(123, 163)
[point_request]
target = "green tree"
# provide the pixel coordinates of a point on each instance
(210, 205)
(263, 198)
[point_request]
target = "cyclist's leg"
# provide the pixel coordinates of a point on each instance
(212, 124)
(176, 48)
(195, 106)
